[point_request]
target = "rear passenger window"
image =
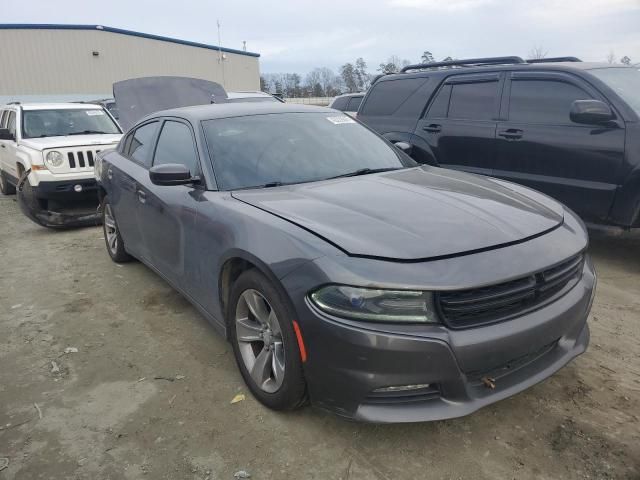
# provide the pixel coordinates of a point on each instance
(175, 145)
(139, 148)
(440, 105)
(473, 101)
(3, 117)
(354, 104)
(543, 101)
(340, 103)
(388, 96)
(11, 123)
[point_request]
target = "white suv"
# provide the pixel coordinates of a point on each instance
(49, 150)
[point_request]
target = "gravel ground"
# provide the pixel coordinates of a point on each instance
(147, 393)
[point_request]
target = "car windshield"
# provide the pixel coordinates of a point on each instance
(61, 122)
(624, 81)
(286, 148)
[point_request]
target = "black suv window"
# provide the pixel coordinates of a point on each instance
(175, 145)
(543, 101)
(386, 97)
(340, 103)
(354, 103)
(473, 101)
(440, 104)
(139, 145)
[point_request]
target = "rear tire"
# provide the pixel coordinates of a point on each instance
(264, 343)
(6, 188)
(112, 237)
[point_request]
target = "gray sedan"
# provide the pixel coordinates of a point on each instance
(343, 273)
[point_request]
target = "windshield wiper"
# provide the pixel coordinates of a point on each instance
(365, 171)
(87, 132)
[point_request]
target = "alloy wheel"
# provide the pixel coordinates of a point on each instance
(260, 341)
(110, 229)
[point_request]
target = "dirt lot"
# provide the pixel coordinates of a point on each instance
(120, 407)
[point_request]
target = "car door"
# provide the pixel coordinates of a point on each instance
(3, 147)
(459, 126)
(167, 214)
(9, 148)
(128, 171)
(539, 146)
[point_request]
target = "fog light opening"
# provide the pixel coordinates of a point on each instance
(403, 388)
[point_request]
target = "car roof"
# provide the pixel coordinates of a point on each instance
(352, 94)
(225, 110)
(55, 106)
(560, 66)
(247, 94)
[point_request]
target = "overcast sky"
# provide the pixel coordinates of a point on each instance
(297, 35)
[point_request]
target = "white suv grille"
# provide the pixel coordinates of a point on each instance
(77, 159)
(81, 160)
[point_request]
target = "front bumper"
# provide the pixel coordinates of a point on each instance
(346, 363)
(58, 204)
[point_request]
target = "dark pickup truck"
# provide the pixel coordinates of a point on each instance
(568, 128)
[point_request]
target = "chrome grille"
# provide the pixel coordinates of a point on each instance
(494, 303)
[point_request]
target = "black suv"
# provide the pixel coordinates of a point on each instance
(568, 128)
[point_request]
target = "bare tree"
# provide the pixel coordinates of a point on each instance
(625, 60)
(611, 58)
(538, 52)
(393, 64)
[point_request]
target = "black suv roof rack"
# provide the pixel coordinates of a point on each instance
(13, 103)
(554, 59)
(470, 62)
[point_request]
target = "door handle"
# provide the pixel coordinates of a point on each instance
(511, 134)
(110, 173)
(142, 197)
(432, 128)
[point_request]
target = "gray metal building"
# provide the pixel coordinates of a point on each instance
(81, 62)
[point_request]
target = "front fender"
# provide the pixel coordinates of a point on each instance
(625, 210)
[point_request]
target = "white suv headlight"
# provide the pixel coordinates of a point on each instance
(54, 159)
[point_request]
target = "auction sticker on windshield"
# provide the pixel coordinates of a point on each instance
(341, 119)
(92, 113)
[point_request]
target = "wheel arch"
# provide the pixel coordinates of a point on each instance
(232, 265)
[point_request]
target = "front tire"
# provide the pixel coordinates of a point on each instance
(5, 187)
(112, 237)
(264, 342)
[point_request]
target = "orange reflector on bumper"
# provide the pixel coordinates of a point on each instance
(303, 350)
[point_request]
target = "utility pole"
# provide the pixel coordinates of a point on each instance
(220, 56)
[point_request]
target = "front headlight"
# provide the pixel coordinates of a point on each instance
(374, 305)
(54, 159)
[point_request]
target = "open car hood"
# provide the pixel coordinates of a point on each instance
(139, 97)
(414, 214)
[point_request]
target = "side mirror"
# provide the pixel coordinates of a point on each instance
(5, 134)
(170, 174)
(591, 112)
(404, 146)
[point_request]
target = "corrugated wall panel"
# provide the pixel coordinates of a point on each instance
(53, 62)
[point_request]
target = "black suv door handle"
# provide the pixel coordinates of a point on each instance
(142, 197)
(432, 128)
(511, 134)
